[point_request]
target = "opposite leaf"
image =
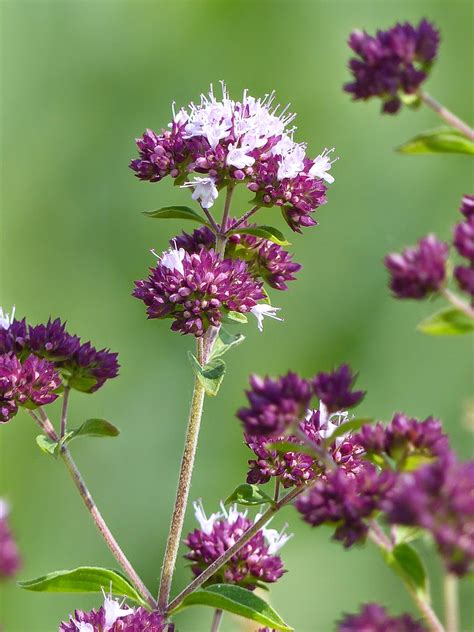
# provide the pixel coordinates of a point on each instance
(238, 601)
(85, 579)
(225, 341)
(266, 232)
(176, 212)
(440, 140)
(95, 428)
(248, 495)
(210, 375)
(448, 322)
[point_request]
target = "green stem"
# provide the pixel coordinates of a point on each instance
(245, 217)
(216, 621)
(458, 303)
(451, 603)
(64, 411)
(447, 115)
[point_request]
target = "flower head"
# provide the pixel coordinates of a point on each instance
(439, 497)
(255, 562)
(418, 272)
(375, 618)
(467, 205)
(334, 389)
(464, 238)
(392, 63)
(465, 278)
(261, 310)
(9, 557)
(207, 288)
(114, 617)
(205, 191)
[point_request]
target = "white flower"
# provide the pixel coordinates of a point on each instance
(232, 514)
(113, 610)
(6, 319)
(275, 539)
(326, 424)
(83, 627)
(4, 509)
(261, 310)
(172, 259)
(321, 166)
(205, 523)
(292, 160)
(205, 191)
(237, 157)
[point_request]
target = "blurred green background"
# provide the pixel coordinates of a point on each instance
(80, 81)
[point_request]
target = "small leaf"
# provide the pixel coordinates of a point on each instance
(348, 426)
(440, 140)
(225, 341)
(448, 322)
(176, 212)
(238, 601)
(95, 428)
(405, 560)
(46, 445)
(85, 579)
(404, 534)
(235, 317)
(82, 383)
(210, 375)
(249, 495)
(266, 232)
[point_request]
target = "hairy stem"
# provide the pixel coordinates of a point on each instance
(451, 603)
(45, 425)
(458, 303)
(64, 411)
(216, 621)
(245, 217)
(382, 541)
(447, 115)
(235, 548)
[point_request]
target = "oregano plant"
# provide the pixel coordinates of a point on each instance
(311, 455)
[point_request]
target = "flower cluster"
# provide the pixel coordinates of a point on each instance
(255, 562)
(46, 351)
(439, 497)
(392, 63)
(198, 290)
(228, 142)
(114, 617)
(374, 618)
(334, 389)
(463, 240)
(346, 500)
(9, 556)
(265, 259)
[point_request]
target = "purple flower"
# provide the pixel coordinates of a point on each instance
(375, 618)
(114, 617)
(292, 468)
(418, 272)
(237, 141)
(13, 333)
(10, 375)
(9, 557)
(463, 238)
(88, 369)
(391, 63)
(334, 389)
(275, 404)
(404, 437)
(346, 500)
(439, 497)
(465, 278)
(197, 290)
(52, 341)
(467, 205)
(255, 562)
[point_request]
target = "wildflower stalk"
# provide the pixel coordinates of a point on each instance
(447, 115)
(245, 217)
(380, 539)
(458, 303)
(451, 603)
(216, 621)
(235, 548)
(64, 411)
(45, 424)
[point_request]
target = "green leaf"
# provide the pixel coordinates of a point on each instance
(348, 426)
(176, 212)
(266, 232)
(95, 428)
(445, 140)
(414, 461)
(404, 534)
(447, 322)
(405, 560)
(236, 600)
(235, 317)
(46, 445)
(225, 341)
(210, 375)
(82, 383)
(249, 495)
(85, 579)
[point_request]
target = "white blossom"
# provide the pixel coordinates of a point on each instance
(83, 627)
(275, 539)
(205, 523)
(4, 509)
(261, 310)
(172, 259)
(113, 610)
(205, 191)
(321, 166)
(237, 157)
(6, 319)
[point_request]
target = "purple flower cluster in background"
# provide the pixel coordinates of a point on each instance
(9, 556)
(392, 63)
(230, 142)
(463, 240)
(36, 361)
(255, 562)
(439, 497)
(375, 618)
